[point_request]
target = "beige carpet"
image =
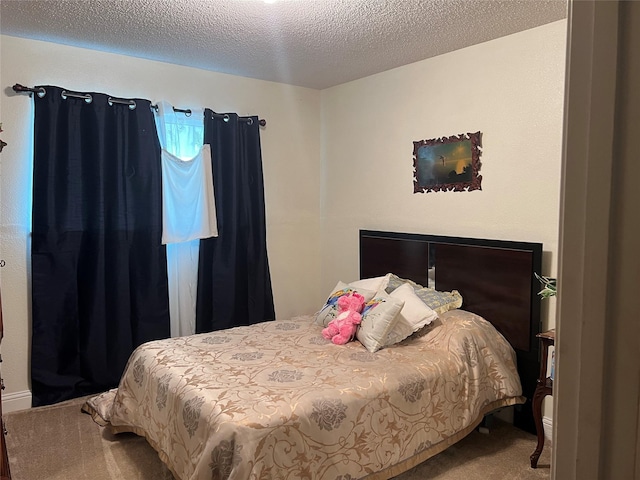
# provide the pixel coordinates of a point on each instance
(60, 442)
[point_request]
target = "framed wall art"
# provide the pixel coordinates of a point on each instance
(447, 163)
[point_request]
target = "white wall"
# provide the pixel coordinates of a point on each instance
(291, 158)
(511, 89)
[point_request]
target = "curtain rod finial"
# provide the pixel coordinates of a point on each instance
(21, 88)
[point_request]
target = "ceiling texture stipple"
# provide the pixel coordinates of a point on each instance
(310, 43)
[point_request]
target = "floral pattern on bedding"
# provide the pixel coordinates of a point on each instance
(277, 401)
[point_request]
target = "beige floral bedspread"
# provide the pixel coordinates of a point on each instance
(278, 401)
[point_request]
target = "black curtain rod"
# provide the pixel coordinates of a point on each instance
(262, 122)
(132, 104)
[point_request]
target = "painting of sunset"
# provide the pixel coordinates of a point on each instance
(446, 164)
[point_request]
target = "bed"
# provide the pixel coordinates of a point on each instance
(277, 400)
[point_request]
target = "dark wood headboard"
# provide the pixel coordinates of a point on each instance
(495, 278)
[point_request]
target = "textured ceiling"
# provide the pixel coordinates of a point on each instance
(311, 43)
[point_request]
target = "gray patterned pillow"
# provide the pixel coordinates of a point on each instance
(438, 301)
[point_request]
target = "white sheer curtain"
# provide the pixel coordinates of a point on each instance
(181, 138)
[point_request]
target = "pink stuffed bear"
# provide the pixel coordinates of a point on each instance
(343, 328)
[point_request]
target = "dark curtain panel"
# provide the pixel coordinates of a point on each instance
(99, 275)
(234, 284)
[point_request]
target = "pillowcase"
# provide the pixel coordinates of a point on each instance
(414, 315)
(379, 315)
(330, 309)
(438, 301)
(375, 283)
(395, 281)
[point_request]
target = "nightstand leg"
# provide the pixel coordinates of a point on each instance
(536, 405)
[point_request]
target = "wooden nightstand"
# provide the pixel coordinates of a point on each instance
(544, 388)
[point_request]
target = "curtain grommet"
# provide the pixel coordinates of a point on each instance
(130, 103)
(86, 97)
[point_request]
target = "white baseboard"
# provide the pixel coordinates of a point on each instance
(12, 402)
(547, 425)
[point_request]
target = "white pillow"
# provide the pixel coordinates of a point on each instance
(330, 309)
(378, 318)
(375, 283)
(415, 314)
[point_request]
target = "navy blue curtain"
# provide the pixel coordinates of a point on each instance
(234, 283)
(99, 279)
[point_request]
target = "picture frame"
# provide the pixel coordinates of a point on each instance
(447, 163)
